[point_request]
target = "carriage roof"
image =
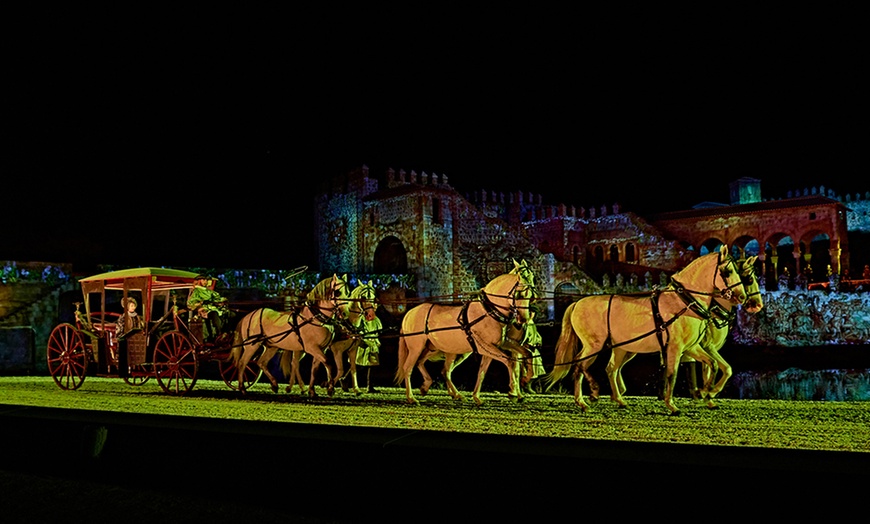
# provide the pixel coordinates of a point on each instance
(160, 278)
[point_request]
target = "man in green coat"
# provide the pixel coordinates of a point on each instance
(206, 303)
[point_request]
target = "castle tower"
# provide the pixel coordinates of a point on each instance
(745, 190)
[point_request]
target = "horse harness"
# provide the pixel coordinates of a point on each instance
(295, 325)
(721, 316)
(691, 304)
(463, 323)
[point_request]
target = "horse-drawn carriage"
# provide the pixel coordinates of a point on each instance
(165, 344)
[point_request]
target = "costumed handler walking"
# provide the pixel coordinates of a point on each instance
(368, 354)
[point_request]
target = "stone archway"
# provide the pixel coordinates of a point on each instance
(391, 257)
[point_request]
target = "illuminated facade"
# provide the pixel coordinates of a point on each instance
(407, 222)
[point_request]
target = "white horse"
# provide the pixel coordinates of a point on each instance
(723, 314)
(363, 305)
(309, 328)
(457, 331)
(669, 320)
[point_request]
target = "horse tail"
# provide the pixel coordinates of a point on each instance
(236, 350)
(566, 350)
(403, 356)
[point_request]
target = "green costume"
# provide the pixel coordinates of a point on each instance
(368, 353)
(208, 304)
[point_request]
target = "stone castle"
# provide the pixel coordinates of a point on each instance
(405, 222)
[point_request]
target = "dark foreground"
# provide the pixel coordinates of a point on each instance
(155, 467)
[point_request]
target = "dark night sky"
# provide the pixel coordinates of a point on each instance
(181, 118)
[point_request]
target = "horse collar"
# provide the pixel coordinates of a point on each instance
(493, 310)
(690, 301)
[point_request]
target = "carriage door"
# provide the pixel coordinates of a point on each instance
(94, 294)
(131, 349)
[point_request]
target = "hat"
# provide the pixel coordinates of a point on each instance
(125, 301)
(202, 277)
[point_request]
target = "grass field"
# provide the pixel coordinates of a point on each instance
(810, 425)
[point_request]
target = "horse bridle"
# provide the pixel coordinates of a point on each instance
(337, 300)
(516, 293)
(369, 299)
(747, 276)
(724, 272)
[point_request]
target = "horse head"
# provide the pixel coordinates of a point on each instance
(725, 283)
(754, 301)
(513, 293)
(732, 283)
(331, 294)
(363, 302)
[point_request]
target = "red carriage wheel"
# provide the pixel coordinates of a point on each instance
(231, 378)
(175, 363)
(67, 356)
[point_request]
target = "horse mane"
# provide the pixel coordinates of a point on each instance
(357, 291)
(501, 278)
(698, 265)
(322, 291)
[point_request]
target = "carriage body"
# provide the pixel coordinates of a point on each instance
(168, 347)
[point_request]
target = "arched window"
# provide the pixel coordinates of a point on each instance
(629, 253)
(614, 253)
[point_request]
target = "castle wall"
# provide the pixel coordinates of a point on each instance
(858, 215)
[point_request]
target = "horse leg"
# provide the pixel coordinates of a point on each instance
(481, 372)
(697, 355)
(247, 352)
(427, 378)
(320, 359)
(515, 392)
(524, 370)
(263, 363)
(295, 373)
(620, 382)
(425, 353)
(578, 371)
(451, 362)
(338, 357)
(407, 362)
(720, 363)
(673, 365)
(351, 357)
(617, 358)
(288, 365)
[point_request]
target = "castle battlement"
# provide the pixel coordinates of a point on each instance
(521, 206)
(402, 177)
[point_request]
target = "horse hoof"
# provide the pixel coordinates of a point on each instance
(675, 413)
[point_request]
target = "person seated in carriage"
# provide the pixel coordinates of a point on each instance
(209, 305)
(129, 321)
